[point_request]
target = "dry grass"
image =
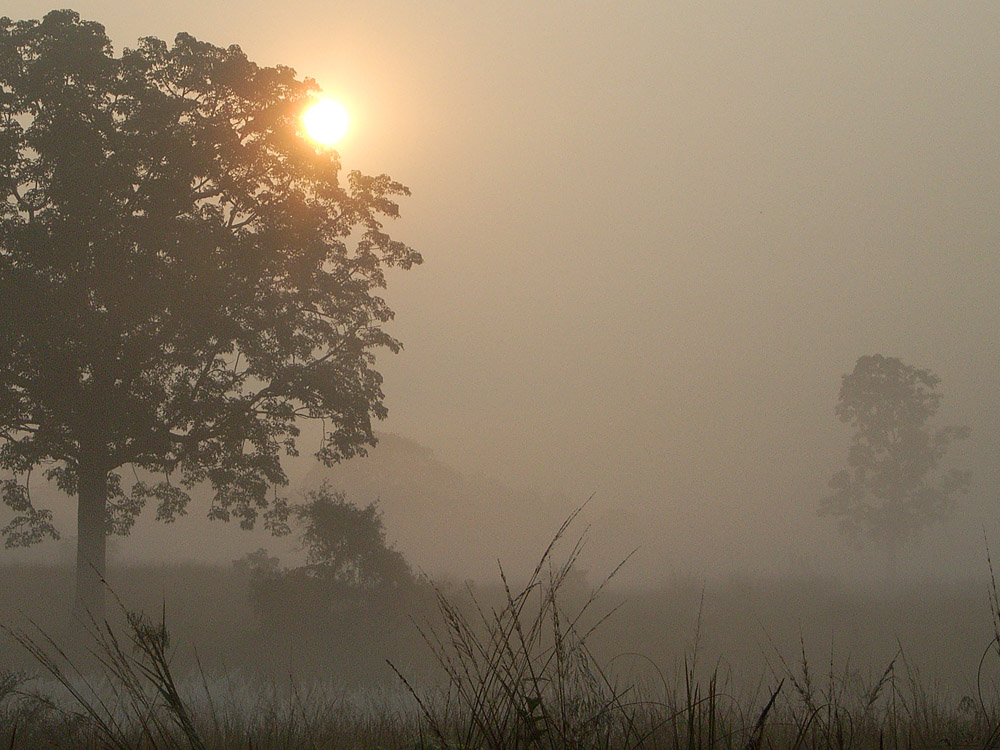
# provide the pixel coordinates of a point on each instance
(515, 671)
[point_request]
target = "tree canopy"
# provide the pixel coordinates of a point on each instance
(346, 544)
(183, 277)
(893, 486)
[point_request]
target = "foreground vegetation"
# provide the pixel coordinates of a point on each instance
(511, 667)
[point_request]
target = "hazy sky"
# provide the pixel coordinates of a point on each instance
(657, 233)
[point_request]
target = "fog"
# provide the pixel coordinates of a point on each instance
(656, 235)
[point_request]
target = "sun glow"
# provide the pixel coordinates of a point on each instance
(326, 121)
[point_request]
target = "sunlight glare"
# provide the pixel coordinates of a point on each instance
(326, 121)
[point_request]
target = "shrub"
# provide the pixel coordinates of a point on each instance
(353, 589)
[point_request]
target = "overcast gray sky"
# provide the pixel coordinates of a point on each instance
(657, 233)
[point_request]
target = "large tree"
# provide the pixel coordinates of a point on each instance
(183, 277)
(893, 486)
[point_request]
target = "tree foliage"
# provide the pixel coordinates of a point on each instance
(350, 571)
(183, 276)
(345, 544)
(894, 485)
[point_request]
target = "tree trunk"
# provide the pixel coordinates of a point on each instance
(91, 539)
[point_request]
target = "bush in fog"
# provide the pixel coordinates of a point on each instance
(351, 573)
(346, 545)
(257, 564)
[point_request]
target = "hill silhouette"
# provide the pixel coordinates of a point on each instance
(443, 521)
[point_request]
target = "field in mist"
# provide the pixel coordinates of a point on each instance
(791, 662)
(742, 625)
(901, 657)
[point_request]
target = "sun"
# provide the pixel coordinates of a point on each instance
(326, 121)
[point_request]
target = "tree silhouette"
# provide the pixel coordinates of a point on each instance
(353, 592)
(348, 560)
(346, 544)
(892, 487)
(183, 276)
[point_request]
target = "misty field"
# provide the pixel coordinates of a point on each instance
(726, 269)
(186, 659)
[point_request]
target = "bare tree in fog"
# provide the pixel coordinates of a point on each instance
(182, 277)
(892, 487)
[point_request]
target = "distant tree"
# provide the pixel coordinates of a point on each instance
(349, 603)
(183, 276)
(257, 564)
(346, 545)
(892, 487)
(350, 569)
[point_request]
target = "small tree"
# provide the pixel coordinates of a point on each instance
(183, 276)
(892, 487)
(352, 577)
(346, 545)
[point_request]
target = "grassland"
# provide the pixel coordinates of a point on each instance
(551, 662)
